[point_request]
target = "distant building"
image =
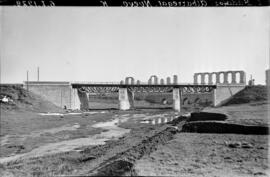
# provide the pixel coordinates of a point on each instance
(267, 77)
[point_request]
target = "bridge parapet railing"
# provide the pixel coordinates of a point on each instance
(97, 83)
(231, 84)
(141, 83)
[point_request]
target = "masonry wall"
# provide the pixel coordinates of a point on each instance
(59, 93)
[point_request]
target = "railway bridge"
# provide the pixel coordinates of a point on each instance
(126, 91)
(214, 87)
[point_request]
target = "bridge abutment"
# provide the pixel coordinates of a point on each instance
(177, 99)
(126, 99)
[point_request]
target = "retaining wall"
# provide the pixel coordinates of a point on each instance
(225, 92)
(59, 93)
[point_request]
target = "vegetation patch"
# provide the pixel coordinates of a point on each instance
(122, 163)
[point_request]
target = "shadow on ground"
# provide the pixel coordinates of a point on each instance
(206, 122)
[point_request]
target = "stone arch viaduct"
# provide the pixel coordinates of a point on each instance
(228, 83)
(223, 77)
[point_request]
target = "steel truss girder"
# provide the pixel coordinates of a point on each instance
(95, 89)
(111, 89)
(150, 89)
(197, 89)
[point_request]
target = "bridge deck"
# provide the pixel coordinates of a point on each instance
(78, 85)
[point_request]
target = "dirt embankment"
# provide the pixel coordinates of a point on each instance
(15, 97)
(248, 95)
(122, 163)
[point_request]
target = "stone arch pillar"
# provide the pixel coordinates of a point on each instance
(126, 80)
(195, 78)
(175, 79)
(226, 77)
(203, 78)
(233, 77)
(162, 81)
(168, 80)
(156, 80)
(217, 78)
(210, 79)
(242, 77)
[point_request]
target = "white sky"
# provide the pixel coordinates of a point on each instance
(108, 44)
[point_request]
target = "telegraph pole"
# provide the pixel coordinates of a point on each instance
(27, 79)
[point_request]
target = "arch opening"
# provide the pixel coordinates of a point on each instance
(214, 78)
(199, 79)
(129, 80)
(153, 80)
(229, 78)
(237, 77)
(221, 78)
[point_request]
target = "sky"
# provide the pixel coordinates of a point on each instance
(109, 44)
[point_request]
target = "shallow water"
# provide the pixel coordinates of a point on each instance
(71, 113)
